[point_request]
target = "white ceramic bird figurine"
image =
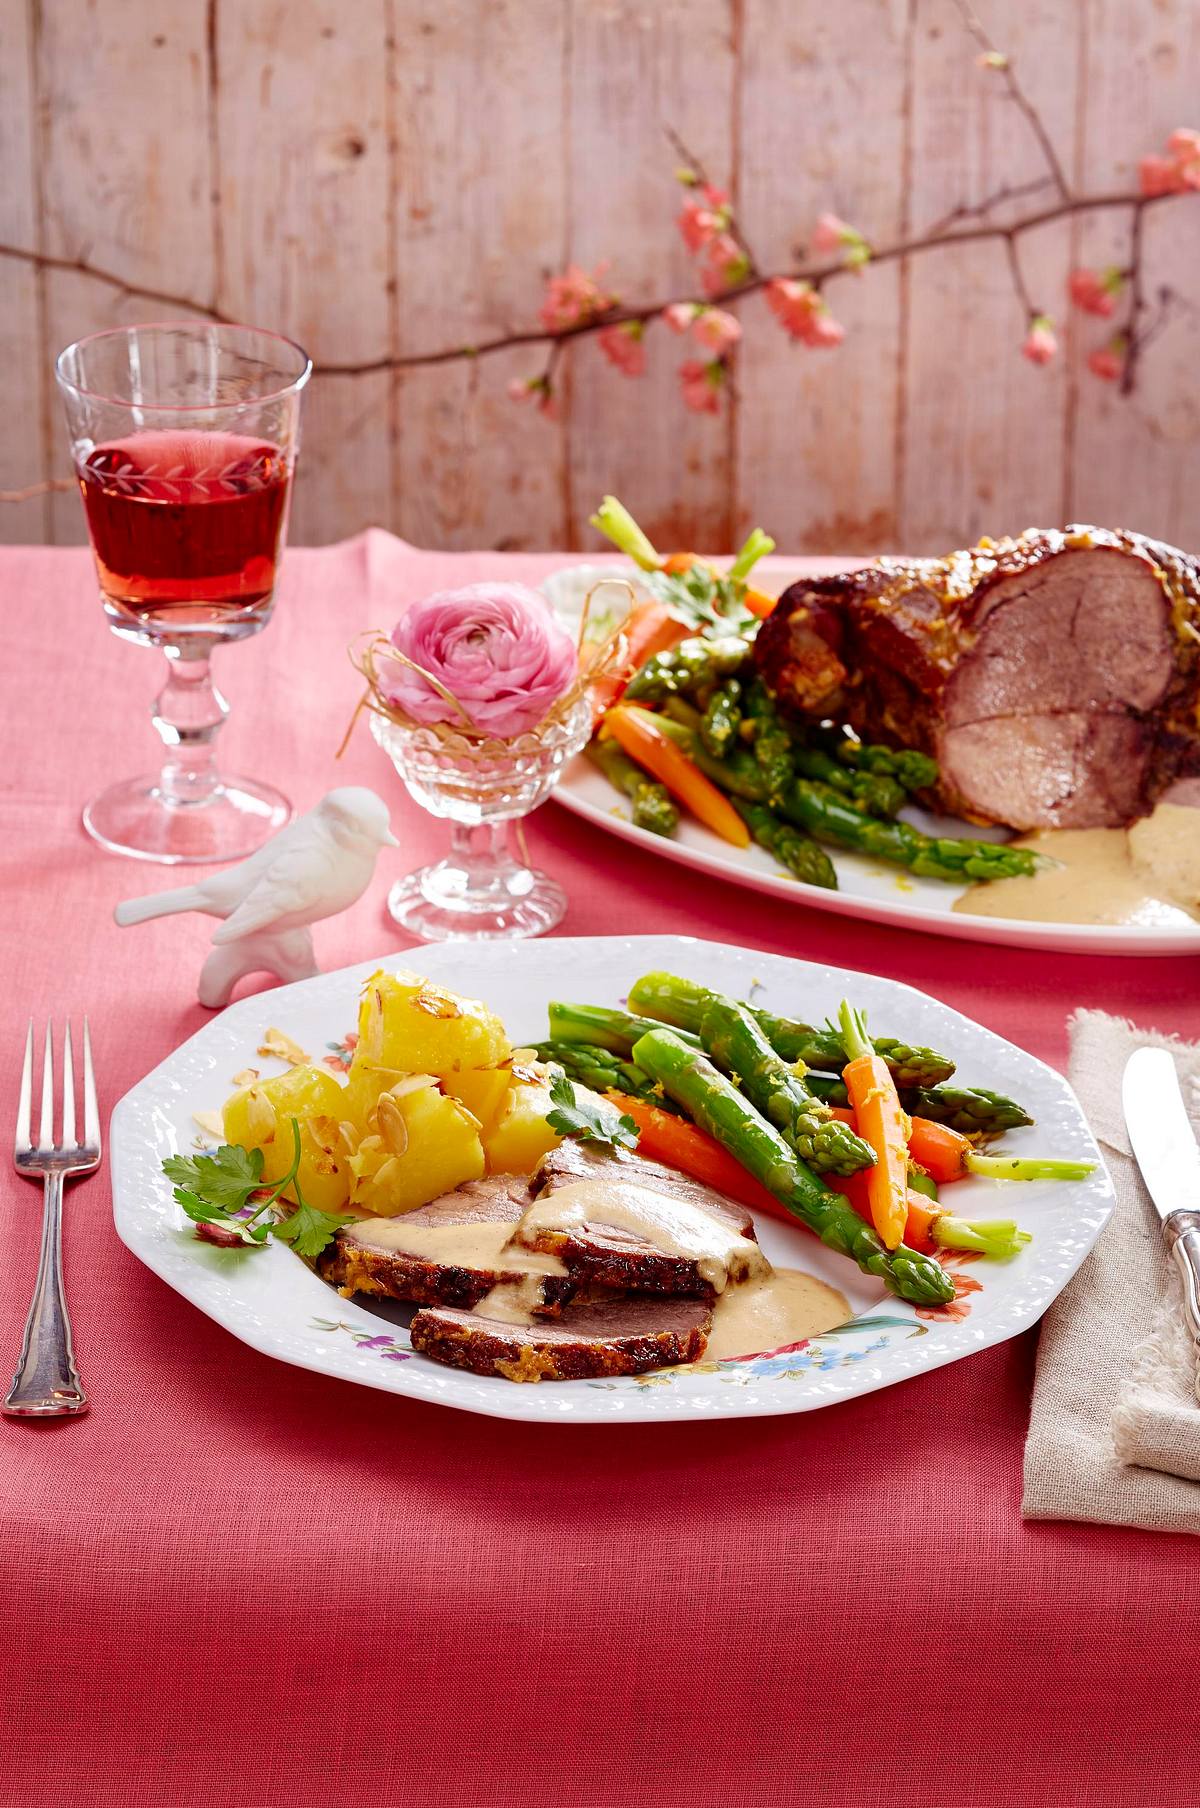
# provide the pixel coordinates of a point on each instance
(320, 864)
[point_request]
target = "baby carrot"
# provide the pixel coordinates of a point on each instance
(650, 628)
(644, 741)
(678, 1144)
(882, 1123)
(938, 1149)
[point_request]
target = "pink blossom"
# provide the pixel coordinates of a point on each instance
(802, 313)
(717, 198)
(1159, 176)
(1108, 361)
(1093, 292)
(1040, 343)
(574, 297)
(825, 332)
(716, 330)
(525, 389)
(680, 315)
(726, 265)
(830, 234)
(1184, 144)
(697, 225)
(623, 346)
(520, 388)
(701, 384)
(498, 648)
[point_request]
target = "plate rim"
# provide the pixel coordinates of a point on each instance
(954, 1342)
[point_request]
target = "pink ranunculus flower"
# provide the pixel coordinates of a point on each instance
(1040, 344)
(624, 346)
(498, 648)
(573, 298)
(680, 315)
(717, 331)
(1108, 361)
(1095, 292)
(700, 384)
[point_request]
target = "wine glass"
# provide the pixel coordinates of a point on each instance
(184, 437)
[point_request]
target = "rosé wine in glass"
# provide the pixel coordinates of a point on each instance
(185, 525)
(184, 437)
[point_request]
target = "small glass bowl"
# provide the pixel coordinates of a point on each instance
(481, 891)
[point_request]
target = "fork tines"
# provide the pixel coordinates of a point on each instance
(47, 1142)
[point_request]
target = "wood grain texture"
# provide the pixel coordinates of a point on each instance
(636, 66)
(985, 429)
(1137, 458)
(479, 220)
(23, 452)
(122, 141)
(817, 429)
(302, 171)
(393, 177)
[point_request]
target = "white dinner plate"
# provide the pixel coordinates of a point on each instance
(269, 1299)
(869, 889)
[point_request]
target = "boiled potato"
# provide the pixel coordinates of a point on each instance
(411, 1025)
(483, 1090)
(520, 1136)
(419, 1144)
(259, 1116)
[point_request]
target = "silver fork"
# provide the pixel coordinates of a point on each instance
(46, 1384)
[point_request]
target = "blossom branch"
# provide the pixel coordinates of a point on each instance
(995, 58)
(694, 168)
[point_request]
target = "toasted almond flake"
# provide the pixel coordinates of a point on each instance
(280, 1047)
(211, 1123)
(411, 1083)
(349, 1134)
(527, 1071)
(436, 1004)
(247, 1077)
(260, 1117)
(392, 1127)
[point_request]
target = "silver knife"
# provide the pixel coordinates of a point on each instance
(1169, 1157)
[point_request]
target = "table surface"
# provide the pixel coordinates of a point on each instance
(215, 1582)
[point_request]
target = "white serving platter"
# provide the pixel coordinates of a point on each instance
(868, 889)
(272, 1301)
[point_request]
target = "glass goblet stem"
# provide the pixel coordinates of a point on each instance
(187, 713)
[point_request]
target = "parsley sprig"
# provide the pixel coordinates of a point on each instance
(224, 1196)
(587, 1123)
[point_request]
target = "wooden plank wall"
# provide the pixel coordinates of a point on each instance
(386, 178)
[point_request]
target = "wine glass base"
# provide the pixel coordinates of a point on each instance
(234, 820)
(438, 905)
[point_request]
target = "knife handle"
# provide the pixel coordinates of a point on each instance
(1182, 1232)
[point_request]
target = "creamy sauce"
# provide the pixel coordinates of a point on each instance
(1148, 876)
(480, 1244)
(778, 1308)
(721, 1255)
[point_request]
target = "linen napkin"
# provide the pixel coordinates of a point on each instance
(1114, 1434)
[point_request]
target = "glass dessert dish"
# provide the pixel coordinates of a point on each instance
(184, 437)
(483, 890)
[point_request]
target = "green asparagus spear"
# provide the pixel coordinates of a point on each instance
(653, 806)
(719, 726)
(717, 1106)
(828, 816)
(774, 749)
(873, 792)
(733, 1039)
(603, 1071)
(737, 773)
(972, 1109)
(797, 852)
(599, 1027)
(681, 1003)
(915, 771)
(692, 663)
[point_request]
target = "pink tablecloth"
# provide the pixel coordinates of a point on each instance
(241, 1585)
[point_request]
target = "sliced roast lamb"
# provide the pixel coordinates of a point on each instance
(1054, 677)
(369, 1257)
(601, 1254)
(616, 1335)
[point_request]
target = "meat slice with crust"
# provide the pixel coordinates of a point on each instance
(614, 1335)
(1054, 677)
